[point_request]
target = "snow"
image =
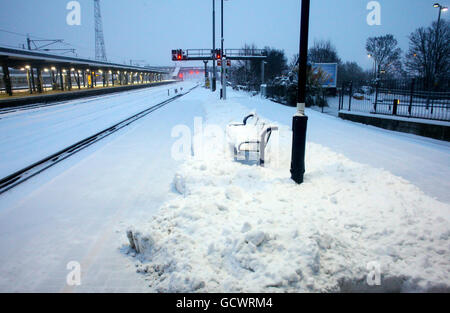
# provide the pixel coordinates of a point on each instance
(207, 221)
(398, 118)
(30, 136)
(241, 228)
(79, 209)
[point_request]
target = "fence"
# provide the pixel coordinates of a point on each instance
(406, 98)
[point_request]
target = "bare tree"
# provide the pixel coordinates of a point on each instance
(351, 71)
(384, 51)
(323, 52)
(248, 72)
(428, 58)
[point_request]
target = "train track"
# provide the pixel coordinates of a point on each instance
(25, 174)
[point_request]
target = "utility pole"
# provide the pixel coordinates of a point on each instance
(300, 120)
(223, 79)
(206, 74)
(213, 87)
(436, 69)
(263, 69)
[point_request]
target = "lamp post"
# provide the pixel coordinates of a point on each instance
(223, 80)
(441, 9)
(376, 66)
(213, 85)
(300, 120)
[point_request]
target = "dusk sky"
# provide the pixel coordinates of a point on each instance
(150, 29)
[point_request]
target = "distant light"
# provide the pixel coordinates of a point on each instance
(100, 71)
(53, 68)
(45, 69)
(369, 55)
(72, 69)
(197, 72)
(22, 69)
(191, 72)
(181, 75)
(445, 9)
(27, 67)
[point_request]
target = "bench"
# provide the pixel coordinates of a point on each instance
(250, 136)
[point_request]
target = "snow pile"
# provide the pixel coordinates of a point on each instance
(241, 228)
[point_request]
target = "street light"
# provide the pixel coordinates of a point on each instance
(441, 9)
(374, 65)
(213, 84)
(222, 76)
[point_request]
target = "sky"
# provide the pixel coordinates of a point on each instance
(149, 29)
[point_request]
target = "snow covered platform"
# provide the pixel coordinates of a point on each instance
(240, 228)
(212, 223)
(429, 128)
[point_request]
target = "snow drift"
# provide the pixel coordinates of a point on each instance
(240, 228)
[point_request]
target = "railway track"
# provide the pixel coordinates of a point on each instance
(25, 174)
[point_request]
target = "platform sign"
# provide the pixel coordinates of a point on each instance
(331, 71)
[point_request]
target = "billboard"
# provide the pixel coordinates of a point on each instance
(330, 70)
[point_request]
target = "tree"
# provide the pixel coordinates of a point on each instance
(386, 54)
(351, 71)
(249, 72)
(315, 92)
(276, 63)
(323, 52)
(427, 58)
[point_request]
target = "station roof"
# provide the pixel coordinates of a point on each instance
(19, 57)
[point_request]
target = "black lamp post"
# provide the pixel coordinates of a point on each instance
(300, 120)
(441, 9)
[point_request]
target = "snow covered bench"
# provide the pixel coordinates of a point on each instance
(250, 136)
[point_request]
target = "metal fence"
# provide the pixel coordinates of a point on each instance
(406, 98)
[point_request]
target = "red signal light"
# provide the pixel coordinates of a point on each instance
(180, 75)
(196, 72)
(191, 72)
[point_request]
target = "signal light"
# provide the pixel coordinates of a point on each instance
(177, 55)
(218, 54)
(219, 63)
